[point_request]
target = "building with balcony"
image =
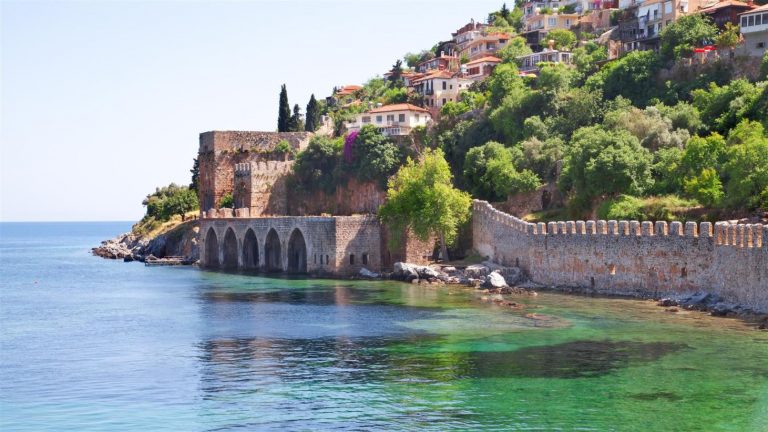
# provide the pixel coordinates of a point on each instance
(479, 69)
(641, 22)
(392, 120)
(723, 12)
(439, 88)
(444, 62)
(537, 27)
(529, 63)
(754, 29)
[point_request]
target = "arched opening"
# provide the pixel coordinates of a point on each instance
(250, 251)
(211, 249)
(272, 252)
(297, 252)
(230, 250)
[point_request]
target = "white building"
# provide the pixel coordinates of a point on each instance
(529, 63)
(397, 119)
(479, 69)
(440, 87)
(754, 27)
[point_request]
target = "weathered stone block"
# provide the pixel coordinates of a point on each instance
(661, 228)
(580, 227)
(590, 226)
(676, 228)
(646, 228)
(690, 229)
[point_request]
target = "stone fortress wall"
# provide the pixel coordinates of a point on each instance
(631, 257)
(263, 189)
(311, 244)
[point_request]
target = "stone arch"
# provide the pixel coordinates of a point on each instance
(297, 252)
(272, 252)
(250, 251)
(211, 249)
(229, 249)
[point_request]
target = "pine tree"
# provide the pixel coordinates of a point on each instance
(195, 174)
(313, 115)
(284, 111)
(396, 79)
(504, 11)
(295, 123)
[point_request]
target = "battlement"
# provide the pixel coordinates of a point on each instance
(243, 169)
(631, 257)
(725, 233)
(246, 141)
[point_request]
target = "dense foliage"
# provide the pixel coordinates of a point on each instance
(421, 198)
(170, 200)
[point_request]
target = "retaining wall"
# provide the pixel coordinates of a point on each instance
(631, 257)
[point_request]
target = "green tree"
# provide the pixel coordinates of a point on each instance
(396, 77)
(296, 124)
(514, 48)
(564, 39)
(706, 188)
(631, 76)
(284, 111)
(195, 175)
(746, 168)
(703, 153)
(412, 59)
(723, 107)
(682, 36)
(227, 201)
(395, 95)
(666, 171)
(422, 199)
(728, 37)
(606, 163)
(313, 115)
(315, 167)
(181, 202)
(491, 172)
(555, 76)
(504, 80)
(587, 57)
(375, 156)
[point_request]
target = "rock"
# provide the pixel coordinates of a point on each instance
(415, 281)
(475, 282)
(722, 309)
(365, 273)
(667, 302)
(449, 269)
(128, 258)
(426, 272)
(495, 280)
(405, 271)
(476, 271)
(512, 275)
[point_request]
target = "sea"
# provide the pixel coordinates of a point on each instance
(88, 344)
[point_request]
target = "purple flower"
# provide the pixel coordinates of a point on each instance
(349, 142)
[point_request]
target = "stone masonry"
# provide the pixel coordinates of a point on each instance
(310, 244)
(631, 257)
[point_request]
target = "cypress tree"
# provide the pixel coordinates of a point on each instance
(284, 112)
(195, 174)
(295, 124)
(313, 115)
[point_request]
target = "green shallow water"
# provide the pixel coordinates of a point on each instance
(89, 344)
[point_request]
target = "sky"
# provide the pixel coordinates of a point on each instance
(102, 101)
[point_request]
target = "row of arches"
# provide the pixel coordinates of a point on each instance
(229, 255)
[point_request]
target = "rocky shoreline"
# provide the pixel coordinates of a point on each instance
(179, 241)
(491, 278)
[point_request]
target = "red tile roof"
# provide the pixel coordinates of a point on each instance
(348, 89)
(486, 59)
(760, 9)
(727, 3)
(397, 107)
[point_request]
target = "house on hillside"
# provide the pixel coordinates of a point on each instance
(479, 69)
(537, 27)
(529, 63)
(392, 120)
(444, 62)
(439, 87)
(726, 11)
(754, 29)
(343, 95)
(641, 22)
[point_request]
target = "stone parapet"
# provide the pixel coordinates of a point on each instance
(631, 257)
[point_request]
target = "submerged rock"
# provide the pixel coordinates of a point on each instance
(495, 280)
(365, 273)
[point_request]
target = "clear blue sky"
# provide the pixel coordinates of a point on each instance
(104, 100)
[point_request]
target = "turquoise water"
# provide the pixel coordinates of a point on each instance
(88, 345)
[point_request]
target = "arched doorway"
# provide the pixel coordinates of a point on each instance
(272, 253)
(211, 249)
(297, 253)
(250, 251)
(230, 250)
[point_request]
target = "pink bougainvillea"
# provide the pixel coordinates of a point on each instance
(349, 142)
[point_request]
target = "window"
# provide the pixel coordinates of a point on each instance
(743, 21)
(366, 119)
(326, 259)
(378, 119)
(751, 21)
(445, 85)
(401, 118)
(552, 22)
(668, 7)
(451, 86)
(567, 22)
(351, 259)
(443, 101)
(417, 117)
(758, 19)
(390, 118)
(365, 259)
(760, 45)
(765, 18)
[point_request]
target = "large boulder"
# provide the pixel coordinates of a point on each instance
(367, 274)
(405, 271)
(476, 271)
(512, 275)
(495, 280)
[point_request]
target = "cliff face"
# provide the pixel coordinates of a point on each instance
(178, 240)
